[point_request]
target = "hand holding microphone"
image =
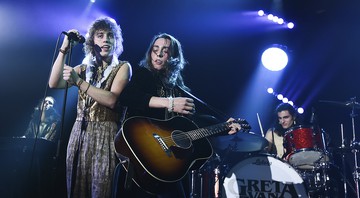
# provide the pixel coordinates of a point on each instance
(74, 36)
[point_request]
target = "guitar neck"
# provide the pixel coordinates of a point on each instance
(208, 131)
(215, 129)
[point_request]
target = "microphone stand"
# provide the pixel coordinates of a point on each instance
(59, 142)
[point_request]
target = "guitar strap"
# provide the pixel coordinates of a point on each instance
(129, 173)
(129, 176)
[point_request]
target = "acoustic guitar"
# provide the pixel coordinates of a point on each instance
(161, 152)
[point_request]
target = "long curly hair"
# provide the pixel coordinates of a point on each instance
(171, 74)
(108, 24)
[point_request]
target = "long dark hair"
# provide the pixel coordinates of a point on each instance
(284, 107)
(171, 74)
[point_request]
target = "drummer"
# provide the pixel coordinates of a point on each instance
(286, 118)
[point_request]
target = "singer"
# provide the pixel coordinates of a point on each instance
(91, 159)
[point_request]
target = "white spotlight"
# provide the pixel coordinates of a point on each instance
(274, 59)
(270, 90)
(280, 21)
(261, 13)
(280, 96)
(275, 19)
(291, 103)
(285, 100)
(290, 25)
(300, 110)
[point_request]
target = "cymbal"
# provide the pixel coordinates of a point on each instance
(351, 104)
(239, 142)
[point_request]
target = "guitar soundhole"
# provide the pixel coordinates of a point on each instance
(181, 139)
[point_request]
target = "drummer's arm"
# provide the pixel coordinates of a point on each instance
(268, 137)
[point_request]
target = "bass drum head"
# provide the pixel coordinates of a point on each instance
(263, 176)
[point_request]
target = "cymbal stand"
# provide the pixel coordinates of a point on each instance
(355, 173)
(343, 160)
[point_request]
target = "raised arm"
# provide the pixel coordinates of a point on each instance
(56, 77)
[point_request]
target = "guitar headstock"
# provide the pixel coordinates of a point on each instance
(243, 123)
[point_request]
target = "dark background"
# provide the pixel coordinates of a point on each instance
(222, 41)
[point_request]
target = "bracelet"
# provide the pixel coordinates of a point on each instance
(87, 88)
(171, 104)
(63, 51)
(78, 84)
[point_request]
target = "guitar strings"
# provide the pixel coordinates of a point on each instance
(196, 134)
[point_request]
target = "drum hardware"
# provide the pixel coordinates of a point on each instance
(353, 105)
(355, 145)
(205, 182)
(217, 182)
(343, 160)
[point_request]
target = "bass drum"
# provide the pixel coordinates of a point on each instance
(263, 176)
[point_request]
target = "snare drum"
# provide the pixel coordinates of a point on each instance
(304, 145)
(263, 176)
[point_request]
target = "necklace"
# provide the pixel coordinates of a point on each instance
(100, 73)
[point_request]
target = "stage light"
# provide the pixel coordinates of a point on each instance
(300, 110)
(276, 19)
(261, 13)
(92, 1)
(284, 99)
(274, 58)
(280, 21)
(290, 25)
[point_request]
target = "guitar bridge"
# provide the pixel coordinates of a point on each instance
(162, 144)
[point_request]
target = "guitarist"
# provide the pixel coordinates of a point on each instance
(156, 91)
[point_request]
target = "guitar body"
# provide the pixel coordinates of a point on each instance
(160, 151)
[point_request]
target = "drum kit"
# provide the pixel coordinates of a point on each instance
(241, 166)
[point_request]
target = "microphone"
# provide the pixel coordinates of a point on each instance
(74, 37)
(97, 48)
(312, 118)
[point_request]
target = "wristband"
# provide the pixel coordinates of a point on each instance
(78, 84)
(63, 51)
(171, 104)
(87, 88)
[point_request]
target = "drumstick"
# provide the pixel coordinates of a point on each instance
(342, 136)
(261, 129)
